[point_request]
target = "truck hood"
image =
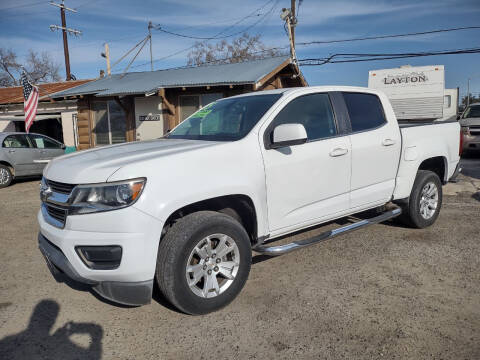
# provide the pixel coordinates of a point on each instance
(97, 165)
(470, 122)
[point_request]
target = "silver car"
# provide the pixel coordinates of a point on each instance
(24, 154)
(470, 123)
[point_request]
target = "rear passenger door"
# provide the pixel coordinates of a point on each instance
(21, 154)
(376, 146)
(47, 148)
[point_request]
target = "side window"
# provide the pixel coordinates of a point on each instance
(42, 142)
(16, 141)
(313, 111)
(365, 111)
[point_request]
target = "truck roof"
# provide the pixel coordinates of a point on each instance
(323, 88)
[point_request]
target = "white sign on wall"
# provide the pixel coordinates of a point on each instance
(148, 117)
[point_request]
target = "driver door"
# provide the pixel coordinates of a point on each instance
(307, 183)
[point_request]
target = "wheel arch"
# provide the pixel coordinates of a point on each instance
(239, 206)
(6, 163)
(438, 165)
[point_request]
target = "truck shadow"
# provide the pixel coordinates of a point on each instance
(38, 340)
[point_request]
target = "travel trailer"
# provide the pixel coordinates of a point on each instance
(416, 93)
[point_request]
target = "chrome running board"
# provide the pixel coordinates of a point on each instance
(283, 249)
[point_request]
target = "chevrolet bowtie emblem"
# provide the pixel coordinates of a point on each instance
(45, 192)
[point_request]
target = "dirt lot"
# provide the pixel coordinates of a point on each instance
(384, 292)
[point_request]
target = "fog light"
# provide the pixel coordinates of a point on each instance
(100, 257)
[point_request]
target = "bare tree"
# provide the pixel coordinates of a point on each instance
(243, 48)
(9, 67)
(40, 67)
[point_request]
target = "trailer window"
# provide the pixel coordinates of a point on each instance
(365, 111)
(448, 101)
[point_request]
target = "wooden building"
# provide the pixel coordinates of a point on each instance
(54, 118)
(145, 105)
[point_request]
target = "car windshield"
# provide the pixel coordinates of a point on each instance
(225, 120)
(472, 112)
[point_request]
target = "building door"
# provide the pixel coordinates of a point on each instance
(110, 123)
(191, 103)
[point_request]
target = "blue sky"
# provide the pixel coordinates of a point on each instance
(122, 23)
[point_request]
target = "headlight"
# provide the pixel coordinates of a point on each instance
(87, 199)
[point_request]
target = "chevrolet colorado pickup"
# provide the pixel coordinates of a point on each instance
(186, 211)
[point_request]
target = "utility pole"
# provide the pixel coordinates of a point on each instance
(65, 30)
(468, 92)
(291, 22)
(106, 55)
(150, 26)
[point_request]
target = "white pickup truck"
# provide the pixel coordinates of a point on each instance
(187, 210)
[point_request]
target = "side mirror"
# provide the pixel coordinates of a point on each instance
(288, 135)
(458, 117)
(63, 146)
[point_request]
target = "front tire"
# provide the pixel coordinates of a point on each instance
(425, 201)
(6, 176)
(203, 262)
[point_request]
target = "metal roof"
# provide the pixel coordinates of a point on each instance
(248, 72)
(14, 94)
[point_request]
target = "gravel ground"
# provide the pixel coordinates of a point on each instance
(383, 292)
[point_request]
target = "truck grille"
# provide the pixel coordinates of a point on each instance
(60, 187)
(475, 130)
(57, 213)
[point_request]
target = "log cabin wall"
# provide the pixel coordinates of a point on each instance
(84, 124)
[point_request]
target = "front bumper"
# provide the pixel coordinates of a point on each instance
(128, 293)
(471, 142)
(137, 234)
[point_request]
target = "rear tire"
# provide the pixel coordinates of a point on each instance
(190, 274)
(6, 176)
(425, 201)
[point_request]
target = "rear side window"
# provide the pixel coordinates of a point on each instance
(42, 142)
(313, 111)
(16, 141)
(365, 111)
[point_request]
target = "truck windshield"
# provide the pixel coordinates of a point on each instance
(225, 120)
(472, 112)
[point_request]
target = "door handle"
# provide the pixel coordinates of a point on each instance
(42, 151)
(338, 152)
(388, 142)
(11, 151)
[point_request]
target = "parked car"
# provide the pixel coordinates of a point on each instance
(470, 123)
(186, 210)
(24, 154)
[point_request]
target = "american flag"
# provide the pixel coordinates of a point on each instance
(30, 94)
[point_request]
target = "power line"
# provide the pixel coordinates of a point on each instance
(159, 28)
(24, 5)
(219, 33)
(350, 58)
(378, 37)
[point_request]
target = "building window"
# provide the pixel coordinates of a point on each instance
(110, 123)
(191, 103)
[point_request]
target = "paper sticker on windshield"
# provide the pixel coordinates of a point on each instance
(203, 111)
